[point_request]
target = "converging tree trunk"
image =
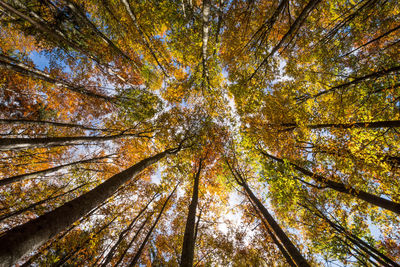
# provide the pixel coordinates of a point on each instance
(124, 233)
(347, 189)
(140, 250)
(281, 235)
(189, 236)
(31, 175)
(24, 143)
(21, 240)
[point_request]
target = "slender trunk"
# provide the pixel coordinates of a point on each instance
(132, 240)
(274, 239)
(80, 246)
(281, 235)
(340, 187)
(21, 240)
(21, 68)
(366, 125)
(140, 250)
(364, 246)
(25, 143)
(81, 14)
(206, 29)
(55, 34)
(31, 175)
(355, 81)
(123, 234)
(52, 123)
(291, 32)
(142, 34)
(189, 236)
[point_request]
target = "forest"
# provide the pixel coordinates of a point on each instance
(200, 133)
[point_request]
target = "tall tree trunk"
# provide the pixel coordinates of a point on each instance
(31, 72)
(34, 205)
(133, 239)
(205, 33)
(281, 235)
(189, 236)
(290, 33)
(340, 187)
(140, 250)
(31, 175)
(366, 125)
(24, 143)
(52, 123)
(273, 237)
(355, 81)
(21, 240)
(364, 246)
(142, 34)
(123, 234)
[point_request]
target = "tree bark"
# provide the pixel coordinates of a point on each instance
(189, 236)
(291, 32)
(21, 240)
(24, 143)
(31, 175)
(281, 235)
(31, 72)
(274, 238)
(340, 187)
(122, 235)
(366, 125)
(132, 240)
(140, 250)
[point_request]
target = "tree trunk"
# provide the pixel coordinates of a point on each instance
(52, 123)
(273, 237)
(31, 72)
(24, 143)
(31, 175)
(367, 125)
(290, 33)
(21, 240)
(364, 246)
(281, 235)
(340, 187)
(355, 81)
(133, 240)
(122, 235)
(32, 206)
(189, 236)
(140, 250)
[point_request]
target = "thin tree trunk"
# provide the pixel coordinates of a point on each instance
(291, 32)
(31, 175)
(371, 251)
(273, 237)
(189, 236)
(355, 81)
(340, 187)
(132, 240)
(24, 143)
(122, 235)
(205, 33)
(82, 15)
(80, 246)
(21, 240)
(52, 123)
(281, 235)
(142, 34)
(23, 69)
(366, 125)
(140, 250)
